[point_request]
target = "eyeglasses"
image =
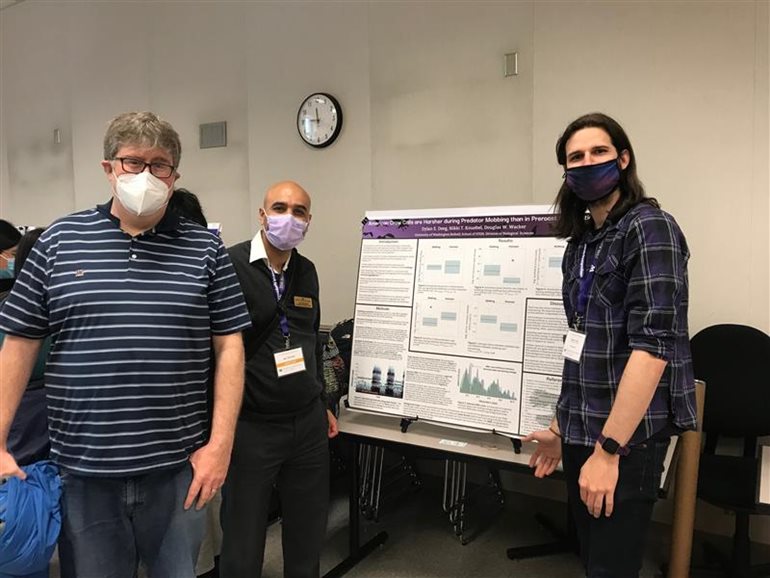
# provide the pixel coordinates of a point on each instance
(136, 166)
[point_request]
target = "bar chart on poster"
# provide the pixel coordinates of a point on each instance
(458, 317)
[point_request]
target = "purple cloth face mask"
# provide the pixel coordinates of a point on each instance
(285, 232)
(593, 182)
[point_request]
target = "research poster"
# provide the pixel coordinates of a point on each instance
(459, 318)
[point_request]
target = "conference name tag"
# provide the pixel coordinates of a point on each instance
(289, 361)
(304, 302)
(573, 345)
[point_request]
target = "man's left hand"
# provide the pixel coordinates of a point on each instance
(333, 429)
(209, 466)
(598, 478)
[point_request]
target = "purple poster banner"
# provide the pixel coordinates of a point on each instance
(459, 227)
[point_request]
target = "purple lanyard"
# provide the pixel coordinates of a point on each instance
(279, 286)
(586, 280)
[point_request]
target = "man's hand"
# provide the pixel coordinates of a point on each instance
(209, 466)
(333, 429)
(598, 478)
(548, 453)
(8, 466)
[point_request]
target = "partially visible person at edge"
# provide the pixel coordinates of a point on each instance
(284, 426)
(28, 437)
(132, 297)
(187, 205)
(9, 238)
(627, 383)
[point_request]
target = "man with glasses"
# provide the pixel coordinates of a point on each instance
(135, 299)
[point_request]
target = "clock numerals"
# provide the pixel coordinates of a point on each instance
(319, 120)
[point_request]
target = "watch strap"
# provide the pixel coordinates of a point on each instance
(611, 446)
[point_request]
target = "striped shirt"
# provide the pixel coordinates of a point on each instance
(131, 321)
(638, 300)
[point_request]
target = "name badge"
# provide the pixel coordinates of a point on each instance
(289, 361)
(573, 345)
(304, 302)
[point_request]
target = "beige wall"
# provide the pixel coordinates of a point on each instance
(295, 49)
(429, 119)
(448, 129)
(688, 80)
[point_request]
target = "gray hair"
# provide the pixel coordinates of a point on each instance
(141, 128)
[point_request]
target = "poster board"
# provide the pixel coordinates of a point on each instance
(459, 317)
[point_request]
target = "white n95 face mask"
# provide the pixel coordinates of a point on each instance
(141, 194)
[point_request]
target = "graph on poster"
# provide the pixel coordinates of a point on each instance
(458, 317)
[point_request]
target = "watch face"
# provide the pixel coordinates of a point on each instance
(610, 446)
(319, 120)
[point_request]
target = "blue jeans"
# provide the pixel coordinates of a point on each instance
(110, 524)
(614, 547)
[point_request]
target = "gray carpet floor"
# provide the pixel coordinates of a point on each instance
(422, 544)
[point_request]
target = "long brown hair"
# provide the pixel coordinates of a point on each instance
(571, 211)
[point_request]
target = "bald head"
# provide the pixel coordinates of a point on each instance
(287, 192)
(285, 198)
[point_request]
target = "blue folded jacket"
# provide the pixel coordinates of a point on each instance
(30, 519)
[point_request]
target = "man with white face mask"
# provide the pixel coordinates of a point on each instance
(135, 299)
(283, 429)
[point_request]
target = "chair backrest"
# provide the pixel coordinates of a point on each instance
(734, 361)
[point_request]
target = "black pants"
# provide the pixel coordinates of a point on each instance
(614, 547)
(293, 454)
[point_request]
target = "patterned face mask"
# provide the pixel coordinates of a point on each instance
(593, 182)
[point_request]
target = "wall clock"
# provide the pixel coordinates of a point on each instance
(319, 120)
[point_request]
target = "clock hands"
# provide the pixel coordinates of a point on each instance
(316, 119)
(319, 120)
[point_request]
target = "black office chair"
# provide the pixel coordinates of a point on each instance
(734, 361)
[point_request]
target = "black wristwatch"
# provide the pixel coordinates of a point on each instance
(612, 447)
